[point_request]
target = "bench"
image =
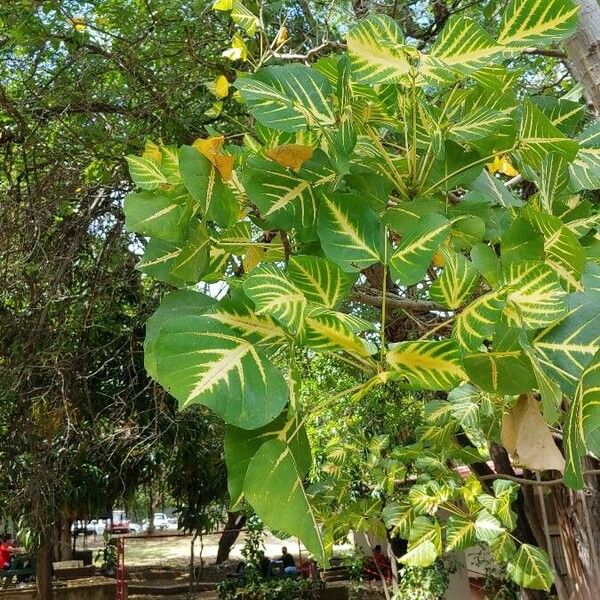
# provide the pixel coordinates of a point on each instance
(22, 567)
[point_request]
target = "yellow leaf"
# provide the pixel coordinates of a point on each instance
(438, 259)
(223, 5)
(528, 438)
(291, 156)
(211, 148)
(501, 164)
(221, 86)
(78, 23)
(238, 50)
(152, 151)
(282, 37)
(253, 256)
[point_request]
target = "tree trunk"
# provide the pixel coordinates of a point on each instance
(578, 516)
(43, 572)
(235, 521)
(584, 51)
(63, 551)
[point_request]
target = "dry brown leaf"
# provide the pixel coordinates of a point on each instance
(211, 148)
(290, 156)
(528, 439)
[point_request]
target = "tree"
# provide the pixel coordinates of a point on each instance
(389, 177)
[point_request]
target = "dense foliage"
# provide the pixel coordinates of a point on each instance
(384, 176)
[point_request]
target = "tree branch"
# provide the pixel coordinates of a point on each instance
(368, 295)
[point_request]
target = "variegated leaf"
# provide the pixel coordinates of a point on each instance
(477, 322)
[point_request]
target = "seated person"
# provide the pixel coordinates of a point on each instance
(265, 565)
(288, 563)
(382, 562)
(6, 552)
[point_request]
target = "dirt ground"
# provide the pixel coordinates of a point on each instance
(169, 550)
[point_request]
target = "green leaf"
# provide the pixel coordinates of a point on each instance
(350, 232)
(241, 445)
(500, 372)
(376, 50)
(478, 320)
(485, 260)
(215, 200)
(503, 547)
(492, 188)
(487, 527)
(409, 262)
(553, 178)
(159, 260)
(530, 568)
(273, 487)
(288, 98)
(456, 283)
(562, 249)
(582, 423)
(534, 295)
(320, 280)
(145, 173)
(567, 347)
(238, 312)
(460, 533)
(532, 22)
(160, 215)
(427, 365)
(538, 138)
(201, 360)
(243, 17)
(463, 46)
(275, 295)
(285, 199)
(424, 543)
(178, 303)
(477, 124)
(330, 331)
(194, 259)
(521, 242)
(584, 171)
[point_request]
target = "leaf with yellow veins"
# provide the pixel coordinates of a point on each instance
(282, 37)
(290, 156)
(223, 5)
(211, 149)
(152, 152)
(501, 164)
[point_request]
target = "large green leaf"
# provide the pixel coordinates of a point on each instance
(456, 283)
(201, 360)
(350, 232)
(424, 543)
(410, 260)
(582, 423)
(530, 568)
(178, 303)
(427, 365)
(585, 170)
(288, 98)
(159, 260)
(284, 198)
(215, 200)
(487, 527)
(531, 22)
(477, 124)
(238, 312)
(567, 347)
(160, 215)
(478, 320)
(145, 172)
(463, 46)
(506, 372)
(273, 487)
(320, 280)
(275, 295)
(538, 138)
(534, 295)
(376, 50)
(194, 259)
(460, 533)
(241, 445)
(330, 330)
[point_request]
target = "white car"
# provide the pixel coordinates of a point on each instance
(160, 522)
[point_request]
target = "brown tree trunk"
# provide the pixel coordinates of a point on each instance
(235, 522)
(63, 550)
(578, 515)
(43, 572)
(584, 51)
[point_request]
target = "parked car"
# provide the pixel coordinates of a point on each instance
(161, 522)
(120, 523)
(173, 523)
(96, 527)
(135, 527)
